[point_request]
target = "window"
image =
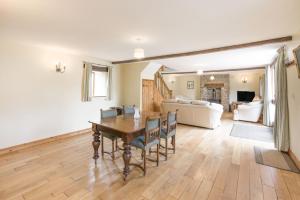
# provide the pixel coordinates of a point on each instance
(100, 81)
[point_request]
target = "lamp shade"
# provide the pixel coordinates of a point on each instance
(199, 72)
(139, 53)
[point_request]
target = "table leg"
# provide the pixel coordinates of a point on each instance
(96, 143)
(126, 158)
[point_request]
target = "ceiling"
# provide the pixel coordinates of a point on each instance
(233, 59)
(108, 29)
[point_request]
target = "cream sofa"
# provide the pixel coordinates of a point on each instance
(196, 113)
(248, 111)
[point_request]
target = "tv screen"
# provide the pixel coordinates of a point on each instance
(245, 96)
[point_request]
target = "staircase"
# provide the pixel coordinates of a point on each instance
(161, 85)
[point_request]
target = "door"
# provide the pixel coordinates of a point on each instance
(147, 95)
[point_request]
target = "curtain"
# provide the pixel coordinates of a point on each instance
(281, 126)
(268, 115)
(109, 77)
(86, 87)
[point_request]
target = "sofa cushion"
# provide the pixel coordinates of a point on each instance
(184, 101)
(198, 102)
(254, 103)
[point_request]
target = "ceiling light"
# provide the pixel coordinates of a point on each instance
(212, 77)
(139, 53)
(199, 72)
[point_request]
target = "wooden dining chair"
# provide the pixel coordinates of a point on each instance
(169, 132)
(128, 109)
(150, 138)
(114, 139)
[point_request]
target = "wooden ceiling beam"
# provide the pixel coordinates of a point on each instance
(212, 50)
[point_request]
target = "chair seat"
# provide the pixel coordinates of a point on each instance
(109, 136)
(163, 133)
(139, 143)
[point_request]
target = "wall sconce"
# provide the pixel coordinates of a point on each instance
(244, 79)
(60, 67)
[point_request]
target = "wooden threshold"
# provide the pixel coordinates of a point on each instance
(43, 141)
(212, 50)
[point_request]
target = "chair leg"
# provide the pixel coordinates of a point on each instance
(113, 149)
(150, 151)
(145, 170)
(102, 146)
(173, 143)
(157, 155)
(166, 149)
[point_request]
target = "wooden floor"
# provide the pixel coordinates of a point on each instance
(208, 164)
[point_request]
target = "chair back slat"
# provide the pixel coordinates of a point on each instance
(128, 109)
(108, 113)
(152, 130)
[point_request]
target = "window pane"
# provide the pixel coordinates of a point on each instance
(100, 83)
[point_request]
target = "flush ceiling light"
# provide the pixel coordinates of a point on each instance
(199, 72)
(139, 53)
(212, 77)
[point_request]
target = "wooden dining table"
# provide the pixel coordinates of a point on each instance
(126, 127)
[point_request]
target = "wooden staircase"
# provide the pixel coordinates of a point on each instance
(161, 90)
(161, 85)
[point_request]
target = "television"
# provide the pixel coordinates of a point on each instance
(245, 96)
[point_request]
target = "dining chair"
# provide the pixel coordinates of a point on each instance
(169, 132)
(150, 138)
(114, 139)
(128, 109)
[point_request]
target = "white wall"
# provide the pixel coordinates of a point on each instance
(294, 102)
(131, 82)
(178, 85)
(294, 108)
(36, 102)
(237, 85)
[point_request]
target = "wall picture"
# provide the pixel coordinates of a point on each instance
(190, 85)
(297, 59)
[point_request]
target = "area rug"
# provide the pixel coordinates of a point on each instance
(274, 158)
(253, 132)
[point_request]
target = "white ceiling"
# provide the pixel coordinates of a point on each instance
(233, 59)
(107, 28)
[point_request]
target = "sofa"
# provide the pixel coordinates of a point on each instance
(248, 111)
(195, 113)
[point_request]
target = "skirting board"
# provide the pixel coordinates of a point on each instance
(43, 141)
(294, 158)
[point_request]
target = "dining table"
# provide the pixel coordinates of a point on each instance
(127, 127)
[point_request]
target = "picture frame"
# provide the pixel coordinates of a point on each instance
(297, 59)
(190, 85)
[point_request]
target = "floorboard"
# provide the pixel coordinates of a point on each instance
(208, 164)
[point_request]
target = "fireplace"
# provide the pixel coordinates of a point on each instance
(215, 91)
(214, 95)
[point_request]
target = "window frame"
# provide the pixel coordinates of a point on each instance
(96, 68)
